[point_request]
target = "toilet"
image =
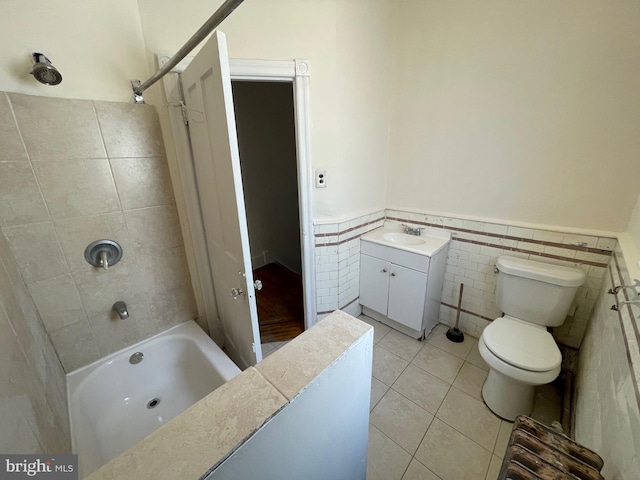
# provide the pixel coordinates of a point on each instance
(519, 350)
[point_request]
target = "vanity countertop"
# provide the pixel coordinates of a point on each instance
(430, 242)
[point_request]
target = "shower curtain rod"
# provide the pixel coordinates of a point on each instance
(216, 19)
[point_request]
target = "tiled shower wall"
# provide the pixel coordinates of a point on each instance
(33, 397)
(75, 171)
(473, 251)
(607, 412)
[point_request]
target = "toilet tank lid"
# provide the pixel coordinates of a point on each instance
(544, 272)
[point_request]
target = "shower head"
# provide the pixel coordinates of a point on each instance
(44, 71)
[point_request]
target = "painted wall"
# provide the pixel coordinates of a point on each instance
(33, 398)
(76, 171)
(607, 412)
(266, 136)
(633, 229)
(98, 47)
(516, 110)
(408, 98)
(350, 57)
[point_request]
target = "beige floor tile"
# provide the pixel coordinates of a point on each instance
(379, 329)
(470, 417)
(451, 455)
(378, 389)
(438, 362)
(386, 460)
(422, 388)
(494, 468)
(439, 339)
(387, 367)
(470, 380)
(475, 358)
(503, 438)
(402, 345)
(417, 471)
(401, 420)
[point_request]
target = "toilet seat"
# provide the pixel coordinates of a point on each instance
(522, 344)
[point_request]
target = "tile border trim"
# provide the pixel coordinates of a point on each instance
(545, 243)
(634, 377)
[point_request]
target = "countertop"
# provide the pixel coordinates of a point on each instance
(434, 239)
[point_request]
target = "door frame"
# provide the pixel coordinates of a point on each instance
(291, 71)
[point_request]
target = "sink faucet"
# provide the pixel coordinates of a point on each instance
(121, 309)
(417, 231)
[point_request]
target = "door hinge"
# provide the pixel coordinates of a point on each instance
(185, 113)
(253, 347)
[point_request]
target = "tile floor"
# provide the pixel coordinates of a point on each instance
(427, 418)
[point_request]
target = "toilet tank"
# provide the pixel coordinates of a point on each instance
(536, 292)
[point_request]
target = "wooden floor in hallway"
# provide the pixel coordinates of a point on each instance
(280, 303)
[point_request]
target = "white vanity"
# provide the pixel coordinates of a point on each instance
(401, 277)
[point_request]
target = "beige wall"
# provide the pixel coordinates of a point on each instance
(517, 110)
(75, 171)
(33, 395)
(450, 107)
(350, 57)
(634, 226)
(97, 46)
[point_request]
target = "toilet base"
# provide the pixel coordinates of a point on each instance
(507, 398)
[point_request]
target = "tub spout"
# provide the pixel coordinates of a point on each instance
(121, 309)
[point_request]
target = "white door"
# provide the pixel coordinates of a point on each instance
(206, 86)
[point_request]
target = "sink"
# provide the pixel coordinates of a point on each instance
(402, 238)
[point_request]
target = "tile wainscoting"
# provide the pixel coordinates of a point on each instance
(338, 263)
(473, 251)
(607, 412)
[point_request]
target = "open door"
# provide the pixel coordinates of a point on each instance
(206, 84)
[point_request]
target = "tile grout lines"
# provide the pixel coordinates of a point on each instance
(434, 415)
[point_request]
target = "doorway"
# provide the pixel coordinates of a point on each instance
(212, 295)
(265, 123)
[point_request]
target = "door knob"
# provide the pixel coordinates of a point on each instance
(257, 284)
(236, 292)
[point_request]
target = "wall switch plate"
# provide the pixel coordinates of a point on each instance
(321, 178)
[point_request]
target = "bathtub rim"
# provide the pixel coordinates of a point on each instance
(228, 369)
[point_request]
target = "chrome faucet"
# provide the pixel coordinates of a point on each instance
(629, 302)
(121, 309)
(409, 230)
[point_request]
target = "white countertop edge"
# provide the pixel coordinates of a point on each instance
(429, 249)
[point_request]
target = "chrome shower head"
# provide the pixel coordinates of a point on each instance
(44, 71)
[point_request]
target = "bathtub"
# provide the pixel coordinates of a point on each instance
(113, 403)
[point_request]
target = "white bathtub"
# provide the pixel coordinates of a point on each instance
(110, 400)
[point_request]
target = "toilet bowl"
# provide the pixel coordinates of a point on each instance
(520, 356)
(519, 350)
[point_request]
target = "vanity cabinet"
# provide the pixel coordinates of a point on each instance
(401, 287)
(393, 290)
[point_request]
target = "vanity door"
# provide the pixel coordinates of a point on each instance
(407, 293)
(374, 283)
